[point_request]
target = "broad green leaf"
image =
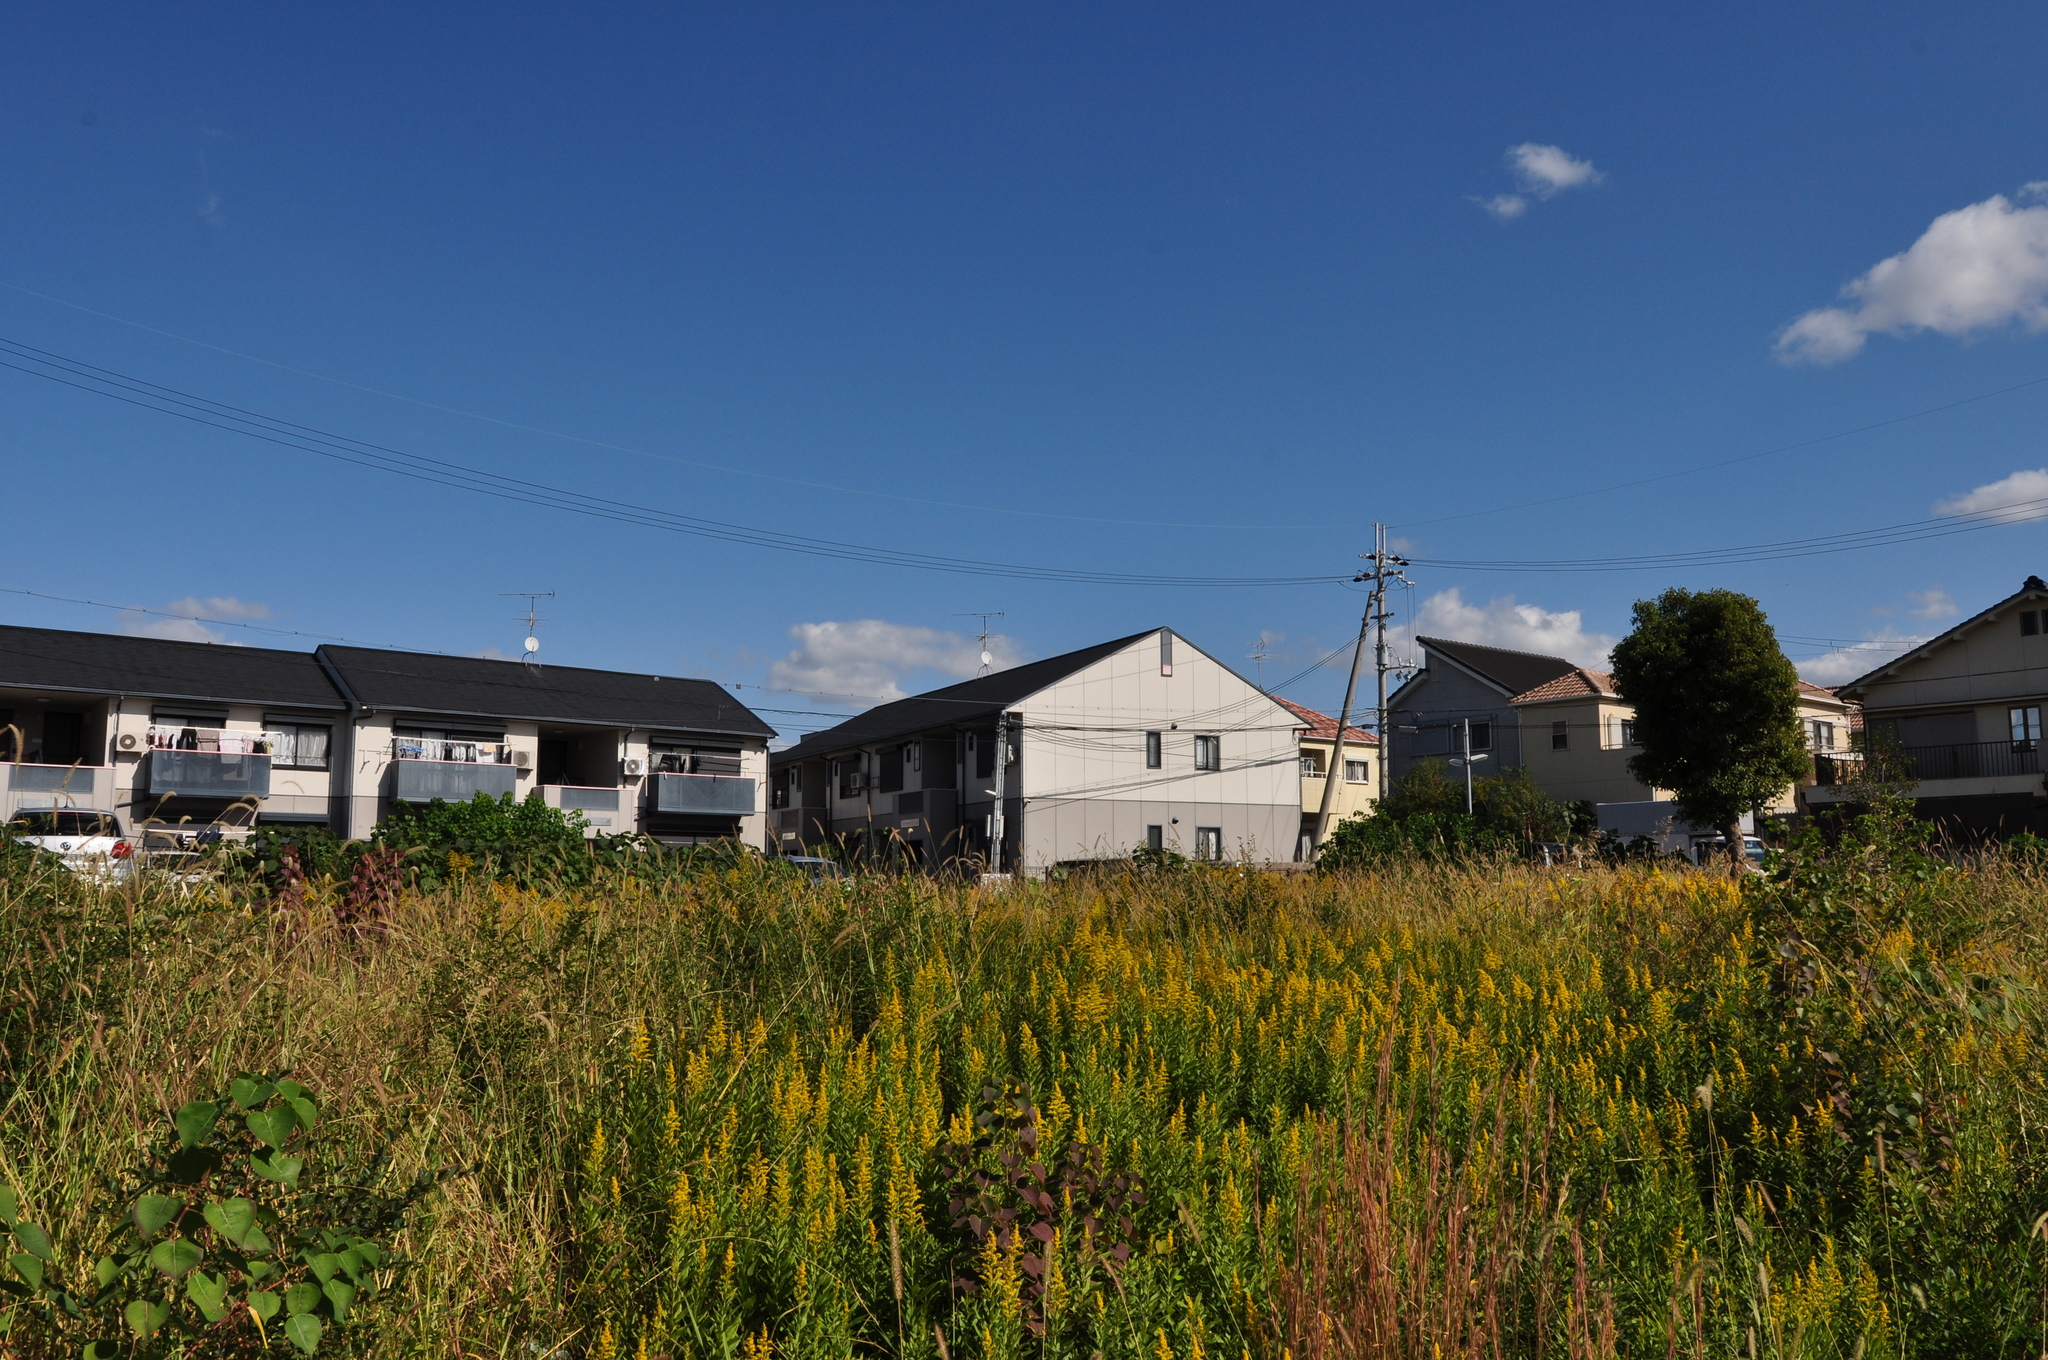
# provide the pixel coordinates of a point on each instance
(10, 1205)
(290, 1089)
(264, 1304)
(195, 1121)
(308, 1113)
(176, 1257)
(324, 1265)
(152, 1212)
(190, 1166)
(302, 1298)
(372, 1254)
(352, 1262)
(28, 1267)
(145, 1317)
(271, 1126)
(304, 1330)
(106, 1270)
(101, 1350)
(233, 1219)
(259, 1270)
(278, 1167)
(210, 1292)
(340, 1294)
(250, 1093)
(33, 1240)
(256, 1244)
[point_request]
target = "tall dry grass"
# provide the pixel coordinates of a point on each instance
(1423, 1113)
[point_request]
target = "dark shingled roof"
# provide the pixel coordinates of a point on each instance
(970, 700)
(1510, 672)
(158, 668)
(463, 686)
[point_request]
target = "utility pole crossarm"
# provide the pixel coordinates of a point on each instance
(1386, 567)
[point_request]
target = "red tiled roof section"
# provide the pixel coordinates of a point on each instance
(1321, 726)
(1811, 691)
(1574, 684)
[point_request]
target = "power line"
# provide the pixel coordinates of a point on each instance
(306, 439)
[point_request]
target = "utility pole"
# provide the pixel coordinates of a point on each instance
(995, 825)
(1385, 567)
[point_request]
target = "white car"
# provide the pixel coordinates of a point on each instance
(88, 842)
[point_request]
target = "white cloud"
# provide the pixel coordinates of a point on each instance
(1859, 658)
(183, 621)
(1977, 268)
(1933, 604)
(1540, 172)
(1502, 622)
(1547, 170)
(2009, 500)
(867, 659)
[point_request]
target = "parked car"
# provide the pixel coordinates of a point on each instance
(815, 867)
(1715, 849)
(87, 842)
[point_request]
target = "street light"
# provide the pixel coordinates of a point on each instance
(1468, 760)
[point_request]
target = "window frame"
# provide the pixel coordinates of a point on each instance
(1560, 734)
(1209, 844)
(1209, 752)
(1364, 768)
(1154, 750)
(2024, 723)
(2030, 623)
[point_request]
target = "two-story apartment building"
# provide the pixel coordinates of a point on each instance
(1143, 740)
(1960, 716)
(198, 734)
(1357, 790)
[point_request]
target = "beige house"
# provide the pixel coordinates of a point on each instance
(1359, 789)
(1962, 711)
(1578, 736)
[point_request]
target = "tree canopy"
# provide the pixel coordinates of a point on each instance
(1717, 705)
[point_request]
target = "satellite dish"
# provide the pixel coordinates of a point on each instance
(533, 644)
(987, 660)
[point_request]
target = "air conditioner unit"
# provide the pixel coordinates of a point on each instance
(128, 741)
(633, 768)
(855, 779)
(521, 759)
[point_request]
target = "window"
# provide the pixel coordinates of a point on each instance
(1209, 843)
(1155, 837)
(1820, 735)
(1561, 735)
(889, 779)
(849, 776)
(1208, 753)
(2030, 623)
(778, 788)
(936, 764)
(1482, 736)
(983, 744)
(1165, 652)
(1151, 750)
(1628, 731)
(2026, 728)
(1354, 772)
(299, 746)
(1311, 765)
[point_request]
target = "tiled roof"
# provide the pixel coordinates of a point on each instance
(465, 686)
(971, 700)
(1821, 692)
(1323, 727)
(102, 663)
(1580, 683)
(1510, 672)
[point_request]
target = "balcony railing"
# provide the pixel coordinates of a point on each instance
(415, 779)
(72, 779)
(209, 774)
(1959, 760)
(718, 795)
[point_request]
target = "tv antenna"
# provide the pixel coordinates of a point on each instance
(533, 620)
(987, 657)
(1258, 656)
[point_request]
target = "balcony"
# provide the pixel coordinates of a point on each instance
(712, 795)
(30, 787)
(599, 806)
(1958, 769)
(209, 774)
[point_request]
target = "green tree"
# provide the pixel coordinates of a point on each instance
(1717, 706)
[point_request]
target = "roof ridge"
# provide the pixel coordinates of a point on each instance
(1488, 646)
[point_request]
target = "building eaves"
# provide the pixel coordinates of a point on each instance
(1509, 671)
(966, 703)
(2032, 587)
(162, 668)
(477, 687)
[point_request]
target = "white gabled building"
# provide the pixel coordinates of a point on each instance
(1142, 740)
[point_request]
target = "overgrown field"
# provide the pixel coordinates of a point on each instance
(1431, 1112)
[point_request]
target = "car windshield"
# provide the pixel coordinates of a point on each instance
(63, 822)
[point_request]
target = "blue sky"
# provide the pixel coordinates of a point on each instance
(1123, 290)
